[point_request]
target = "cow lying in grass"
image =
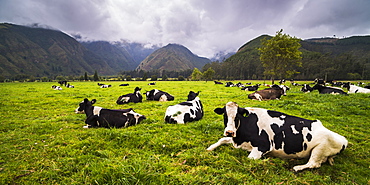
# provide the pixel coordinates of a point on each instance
(100, 117)
(355, 89)
(135, 97)
(190, 110)
(263, 132)
(158, 95)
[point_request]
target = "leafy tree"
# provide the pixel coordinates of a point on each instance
(164, 77)
(86, 77)
(154, 78)
(280, 55)
(196, 75)
(96, 77)
(208, 75)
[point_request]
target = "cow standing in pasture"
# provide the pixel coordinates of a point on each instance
(328, 90)
(263, 132)
(275, 92)
(99, 117)
(158, 95)
(135, 97)
(190, 110)
(355, 89)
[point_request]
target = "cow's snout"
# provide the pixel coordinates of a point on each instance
(229, 133)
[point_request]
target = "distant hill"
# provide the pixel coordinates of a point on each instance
(329, 58)
(173, 57)
(45, 52)
(116, 57)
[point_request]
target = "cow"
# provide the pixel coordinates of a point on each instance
(216, 82)
(152, 83)
(105, 86)
(261, 132)
(328, 90)
(190, 110)
(229, 84)
(306, 88)
(135, 97)
(70, 86)
(275, 92)
(282, 81)
(62, 82)
(239, 84)
(355, 89)
(158, 95)
(56, 87)
(319, 81)
(250, 88)
(108, 118)
(124, 84)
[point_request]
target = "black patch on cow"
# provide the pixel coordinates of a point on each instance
(343, 147)
(192, 111)
(186, 103)
(274, 113)
(305, 146)
(309, 137)
(187, 118)
(278, 136)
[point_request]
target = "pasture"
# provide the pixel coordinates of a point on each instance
(43, 142)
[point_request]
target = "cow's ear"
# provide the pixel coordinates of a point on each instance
(243, 112)
(93, 101)
(219, 110)
(86, 100)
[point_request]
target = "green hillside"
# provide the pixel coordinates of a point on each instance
(329, 58)
(172, 57)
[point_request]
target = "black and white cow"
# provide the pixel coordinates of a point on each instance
(251, 88)
(262, 132)
(158, 95)
(306, 88)
(56, 87)
(62, 82)
(355, 89)
(328, 90)
(135, 97)
(70, 86)
(229, 84)
(151, 83)
(216, 82)
(190, 110)
(100, 117)
(124, 84)
(275, 92)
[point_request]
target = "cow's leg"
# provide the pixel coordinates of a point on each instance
(224, 140)
(318, 156)
(255, 154)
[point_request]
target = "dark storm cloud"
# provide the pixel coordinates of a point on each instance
(205, 26)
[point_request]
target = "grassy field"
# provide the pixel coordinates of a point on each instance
(43, 142)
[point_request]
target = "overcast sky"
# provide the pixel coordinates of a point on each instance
(203, 26)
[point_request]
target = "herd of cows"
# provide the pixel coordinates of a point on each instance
(259, 131)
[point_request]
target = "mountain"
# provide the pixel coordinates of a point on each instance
(138, 51)
(116, 57)
(45, 52)
(173, 57)
(330, 58)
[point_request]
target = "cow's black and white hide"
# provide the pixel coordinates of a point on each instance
(355, 89)
(229, 84)
(263, 132)
(56, 87)
(152, 83)
(251, 88)
(275, 92)
(190, 110)
(70, 86)
(124, 84)
(216, 82)
(100, 117)
(306, 88)
(135, 97)
(328, 90)
(158, 95)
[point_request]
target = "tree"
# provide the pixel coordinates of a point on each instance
(208, 75)
(280, 55)
(196, 75)
(85, 77)
(96, 77)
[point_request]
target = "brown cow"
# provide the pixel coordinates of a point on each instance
(274, 92)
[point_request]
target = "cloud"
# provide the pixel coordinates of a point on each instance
(205, 27)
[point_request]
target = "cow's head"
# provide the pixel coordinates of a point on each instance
(192, 95)
(137, 89)
(83, 105)
(232, 115)
(133, 118)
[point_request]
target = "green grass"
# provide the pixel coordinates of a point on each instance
(43, 142)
